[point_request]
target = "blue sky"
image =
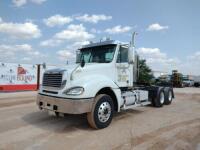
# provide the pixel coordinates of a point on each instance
(36, 31)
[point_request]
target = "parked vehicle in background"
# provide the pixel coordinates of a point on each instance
(196, 81)
(196, 84)
(177, 79)
(188, 83)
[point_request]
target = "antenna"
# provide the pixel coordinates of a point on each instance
(44, 65)
(107, 38)
(101, 40)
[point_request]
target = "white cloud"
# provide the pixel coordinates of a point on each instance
(118, 29)
(7, 56)
(35, 53)
(74, 33)
(24, 47)
(153, 53)
(93, 30)
(190, 65)
(38, 1)
(51, 42)
(68, 53)
(16, 48)
(65, 55)
(195, 57)
(77, 45)
(26, 59)
(57, 20)
(158, 60)
(19, 3)
(19, 53)
(156, 27)
(93, 18)
(25, 30)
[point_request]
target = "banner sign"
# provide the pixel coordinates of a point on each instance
(17, 77)
(17, 74)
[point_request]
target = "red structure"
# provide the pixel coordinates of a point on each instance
(19, 77)
(15, 87)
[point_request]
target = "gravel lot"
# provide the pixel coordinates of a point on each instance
(177, 126)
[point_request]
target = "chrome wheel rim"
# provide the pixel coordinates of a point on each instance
(170, 96)
(162, 97)
(104, 112)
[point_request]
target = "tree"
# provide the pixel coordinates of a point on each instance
(145, 73)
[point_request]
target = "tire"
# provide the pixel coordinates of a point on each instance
(102, 112)
(57, 114)
(168, 96)
(159, 99)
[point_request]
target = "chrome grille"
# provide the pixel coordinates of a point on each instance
(52, 80)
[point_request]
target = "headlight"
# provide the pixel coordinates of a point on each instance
(74, 91)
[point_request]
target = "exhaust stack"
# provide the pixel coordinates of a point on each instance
(136, 60)
(135, 68)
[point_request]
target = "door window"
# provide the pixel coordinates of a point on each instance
(122, 55)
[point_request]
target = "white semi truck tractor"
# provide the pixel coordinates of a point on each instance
(103, 81)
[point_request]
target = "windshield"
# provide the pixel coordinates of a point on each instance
(98, 54)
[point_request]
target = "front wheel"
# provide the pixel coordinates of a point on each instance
(102, 112)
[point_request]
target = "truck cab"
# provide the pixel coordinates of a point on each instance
(103, 81)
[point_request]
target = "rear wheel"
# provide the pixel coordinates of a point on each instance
(168, 96)
(57, 114)
(102, 112)
(160, 99)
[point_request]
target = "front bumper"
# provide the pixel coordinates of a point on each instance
(64, 105)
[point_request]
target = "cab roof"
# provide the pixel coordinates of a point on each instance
(102, 43)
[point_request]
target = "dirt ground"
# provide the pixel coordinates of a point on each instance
(177, 126)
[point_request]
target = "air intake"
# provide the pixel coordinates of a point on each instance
(52, 79)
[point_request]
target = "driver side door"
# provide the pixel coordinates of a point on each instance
(123, 67)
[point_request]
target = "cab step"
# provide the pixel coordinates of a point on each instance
(124, 107)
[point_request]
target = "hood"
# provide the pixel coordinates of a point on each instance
(90, 69)
(68, 68)
(105, 69)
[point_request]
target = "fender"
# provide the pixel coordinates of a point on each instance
(94, 83)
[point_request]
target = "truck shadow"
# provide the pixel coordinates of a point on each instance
(68, 123)
(126, 114)
(42, 120)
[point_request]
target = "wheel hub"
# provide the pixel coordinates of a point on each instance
(104, 112)
(170, 96)
(162, 97)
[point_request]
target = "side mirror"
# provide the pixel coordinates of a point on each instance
(130, 55)
(78, 56)
(44, 65)
(82, 62)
